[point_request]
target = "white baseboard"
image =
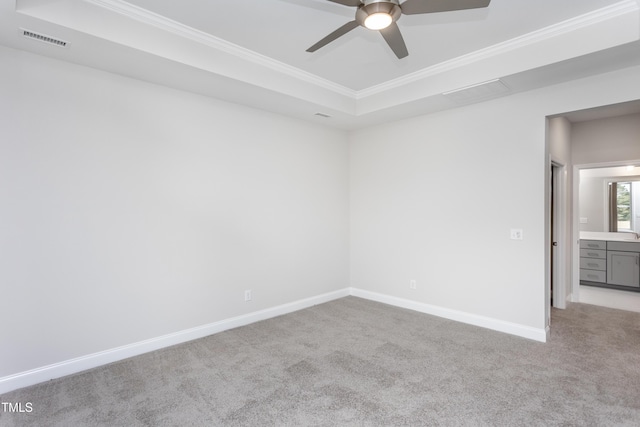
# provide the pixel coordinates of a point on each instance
(79, 364)
(569, 299)
(459, 316)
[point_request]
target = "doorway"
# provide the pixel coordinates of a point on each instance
(592, 214)
(575, 142)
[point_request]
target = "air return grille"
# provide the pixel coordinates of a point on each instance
(478, 92)
(43, 38)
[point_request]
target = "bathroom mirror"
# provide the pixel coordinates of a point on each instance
(610, 199)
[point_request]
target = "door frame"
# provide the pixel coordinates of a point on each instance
(559, 254)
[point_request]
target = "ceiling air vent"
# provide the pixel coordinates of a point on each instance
(43, 38)
(478, 92)
(323, 115)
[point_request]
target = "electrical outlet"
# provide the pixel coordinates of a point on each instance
(516, 234)
(247, 295)
(412, 284)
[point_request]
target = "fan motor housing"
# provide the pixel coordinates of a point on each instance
(370, 7)
(368, 2)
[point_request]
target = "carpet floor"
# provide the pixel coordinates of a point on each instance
(353, 362)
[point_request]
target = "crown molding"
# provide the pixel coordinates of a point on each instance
(358, 97)
(150, 18)
(564, 27)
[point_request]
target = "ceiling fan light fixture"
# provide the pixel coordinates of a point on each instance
(378, 21)
(382, 15)
(378, 14)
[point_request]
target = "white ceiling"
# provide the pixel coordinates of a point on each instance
(603, 112)
(253, 51)
(284, 29)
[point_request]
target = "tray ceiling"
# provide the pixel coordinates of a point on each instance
(253, 51)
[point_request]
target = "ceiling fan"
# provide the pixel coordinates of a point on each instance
(382, 15)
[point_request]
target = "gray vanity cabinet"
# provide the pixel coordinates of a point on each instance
(623, 268)
(623, 264)
(593, 261)
(613, 264)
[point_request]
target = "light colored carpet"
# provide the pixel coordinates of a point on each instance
(361, 363)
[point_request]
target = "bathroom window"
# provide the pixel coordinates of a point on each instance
(621, 206)
(624, 209)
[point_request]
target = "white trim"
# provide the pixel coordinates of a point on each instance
(565, 27)
(575, 235)
(158, 21)
(79, 364)
(459, 316)
(560, 228)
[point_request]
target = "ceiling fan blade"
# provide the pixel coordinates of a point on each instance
(331, 37)
(415, 7)
(347, 2)
(395, 41)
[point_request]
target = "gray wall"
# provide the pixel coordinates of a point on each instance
(606, 140)
(131, 211)
(559, 134)
(611, 139)
(615, 139)
(593, 204)
(409, 222)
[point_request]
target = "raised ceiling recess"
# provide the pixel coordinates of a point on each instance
(382, 16)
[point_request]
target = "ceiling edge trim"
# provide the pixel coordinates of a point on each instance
(600, 15)
(150, 18)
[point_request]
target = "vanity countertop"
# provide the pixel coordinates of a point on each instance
(620, 236)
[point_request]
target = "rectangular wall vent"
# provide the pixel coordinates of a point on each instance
(43, 38)
(478, 92)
